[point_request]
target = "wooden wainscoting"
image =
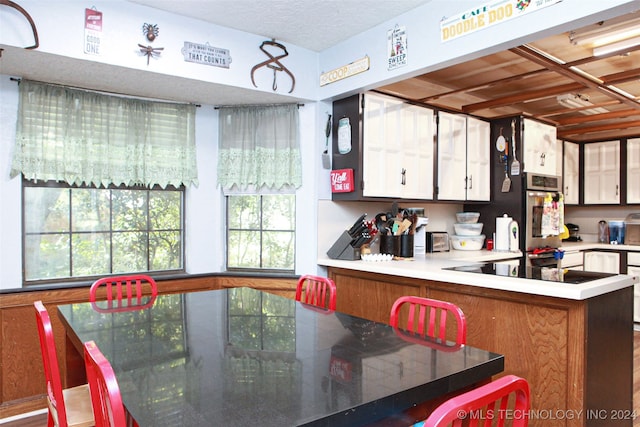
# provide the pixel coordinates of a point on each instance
(22, 385)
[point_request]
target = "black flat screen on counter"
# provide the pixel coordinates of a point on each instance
(549, 274)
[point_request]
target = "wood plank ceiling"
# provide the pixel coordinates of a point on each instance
(529, 79)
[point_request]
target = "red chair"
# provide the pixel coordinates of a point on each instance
(315, 290)
(124, 292)
(486, 405)
(67, 407)
(428, 317)
(105, 392)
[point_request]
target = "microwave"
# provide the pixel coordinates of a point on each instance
(437, 241)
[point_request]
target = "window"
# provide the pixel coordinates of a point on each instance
(261, 232)
(75, 232)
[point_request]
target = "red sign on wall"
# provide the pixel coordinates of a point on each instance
(342, 181)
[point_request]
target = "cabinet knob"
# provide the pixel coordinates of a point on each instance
(542, 157)
(404, 177)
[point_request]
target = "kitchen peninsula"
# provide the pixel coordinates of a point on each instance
(573, 342)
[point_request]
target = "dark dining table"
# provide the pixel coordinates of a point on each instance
(238, 357)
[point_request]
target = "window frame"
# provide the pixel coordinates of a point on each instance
(26, 183)
(261, 230)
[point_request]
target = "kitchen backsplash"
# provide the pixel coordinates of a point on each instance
(587, 217)
(336, 217)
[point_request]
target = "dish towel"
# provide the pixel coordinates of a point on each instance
(552, 215)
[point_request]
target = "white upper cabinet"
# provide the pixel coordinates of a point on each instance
(571, 175)
(398, 149)
(540, 148)
(463, 158)
(633, 170)
(478, 161)
(602, 173)
(452, 156)
(418, 132)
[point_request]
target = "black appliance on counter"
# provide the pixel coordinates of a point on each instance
(521, 269)
(574, 233)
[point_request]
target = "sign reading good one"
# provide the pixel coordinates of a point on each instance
(490, 14)
(92, 31)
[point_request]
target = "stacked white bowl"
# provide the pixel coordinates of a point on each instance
(468, 231)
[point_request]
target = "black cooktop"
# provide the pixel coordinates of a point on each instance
(550, 274)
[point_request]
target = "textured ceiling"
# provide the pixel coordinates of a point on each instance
(312, 24)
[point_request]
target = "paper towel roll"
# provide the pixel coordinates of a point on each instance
(502, 233)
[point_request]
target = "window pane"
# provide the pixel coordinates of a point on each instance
(46, 256)
(278, 250)
(244, 212)
(165, 250)
(91, 253)
(110, 231)
(129, 210)
(91, 210)
(261, 232)
(278, 212)
(164, 210)
(129, 252)
(47, 209)
(244, 249)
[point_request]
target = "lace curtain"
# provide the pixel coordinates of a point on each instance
(79, 136)
(259, 148)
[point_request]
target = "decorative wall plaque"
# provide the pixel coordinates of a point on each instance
(206, 55)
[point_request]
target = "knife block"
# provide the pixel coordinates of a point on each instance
(342, 249)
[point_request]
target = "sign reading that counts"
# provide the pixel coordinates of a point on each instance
(205, 54)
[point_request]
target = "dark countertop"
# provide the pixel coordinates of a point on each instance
(232, 357)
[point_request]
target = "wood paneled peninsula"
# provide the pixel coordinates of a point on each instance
(572, 342)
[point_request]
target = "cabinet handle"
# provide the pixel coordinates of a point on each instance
(617, 189)
(542, 157)
(566, 191)
(470, 182)
(404, 177)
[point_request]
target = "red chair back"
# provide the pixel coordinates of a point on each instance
(317, 291)
(124, 292)
(428, 317)
(503, 402)
(105, 392)
(51, 370)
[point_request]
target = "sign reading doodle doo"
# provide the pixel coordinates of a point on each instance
(206, 54)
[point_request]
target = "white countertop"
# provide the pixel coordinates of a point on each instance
(583, 246)
(430, 267)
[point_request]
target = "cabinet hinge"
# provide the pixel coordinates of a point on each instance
(362, 103)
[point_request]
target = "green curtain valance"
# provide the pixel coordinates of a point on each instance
(84, 137)
(259, 148)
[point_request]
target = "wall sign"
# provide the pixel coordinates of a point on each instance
(356, 67)
(92, 31)
(342, 181)
(206, 55)
(397, 47)
(488, 15)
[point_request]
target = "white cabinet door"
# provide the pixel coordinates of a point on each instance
(633, 170)
(452, 156)
(604, 262)
(417, 152)
(571, 175)
(478, 164)
(602, 173)
(540, 148)
(381, 153)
